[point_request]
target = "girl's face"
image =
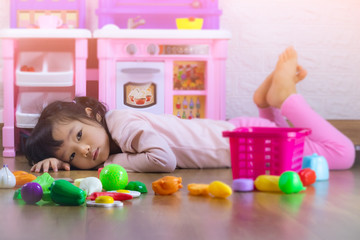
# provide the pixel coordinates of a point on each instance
(85, 144)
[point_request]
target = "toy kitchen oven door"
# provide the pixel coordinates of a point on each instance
(140, 86)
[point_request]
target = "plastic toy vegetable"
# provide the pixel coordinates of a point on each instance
(289, 182)
(267, 183)
(17, 194)
(137, 186)
(45, 181)
(23, 177)
(65, 193)
(307, 176)
(113, 177)
(7, 178)
(90, 185)
(115, 195)
(167, 185)
(220, 189)
(318, 164)
(198, 189)
(31, 192)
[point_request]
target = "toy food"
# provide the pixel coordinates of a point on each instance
(134, 194)
(307, 176)
(65, 193)
(7, 178)
(318, 164)
(104, 201)
(99, 171)
(17, 194)
(45, 181)
(90, 185)
(267, 183)
(77, 182)
(289, 182)
(220, 189)
(137, 186)
(198, 189)
(31, 192)
(167, 185)
(26, 68)
(115, 195)
(23, 177)
(243, 185)
(113, 177)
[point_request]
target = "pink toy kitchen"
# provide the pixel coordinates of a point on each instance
(163, 56)
(180, 72)
(173, 62)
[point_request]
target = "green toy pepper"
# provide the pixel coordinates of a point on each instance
(136, 186)
(64, 193)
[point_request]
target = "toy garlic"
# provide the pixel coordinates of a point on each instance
(89, 185)
(7, 178)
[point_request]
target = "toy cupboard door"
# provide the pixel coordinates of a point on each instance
(189, 86)
(140, 86)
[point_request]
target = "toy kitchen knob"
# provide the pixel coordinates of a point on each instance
(152, 49)
(131, 49)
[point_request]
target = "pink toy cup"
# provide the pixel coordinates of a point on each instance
(49, 21)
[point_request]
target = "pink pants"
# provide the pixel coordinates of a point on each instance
(325, 140)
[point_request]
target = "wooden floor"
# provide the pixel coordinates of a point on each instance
(327, 210)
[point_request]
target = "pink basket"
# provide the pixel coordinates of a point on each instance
(257, 150)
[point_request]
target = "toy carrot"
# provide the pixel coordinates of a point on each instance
(23, 177)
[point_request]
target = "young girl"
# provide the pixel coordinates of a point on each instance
(82, 134)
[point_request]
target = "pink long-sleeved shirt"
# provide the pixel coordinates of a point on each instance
(160, 143)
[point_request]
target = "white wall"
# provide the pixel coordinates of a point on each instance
(326, 34)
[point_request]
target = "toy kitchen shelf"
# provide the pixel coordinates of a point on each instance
(157, 14)
(180, 72)
(33, 75)
(24, 13)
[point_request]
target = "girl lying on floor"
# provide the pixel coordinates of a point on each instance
(84, 135)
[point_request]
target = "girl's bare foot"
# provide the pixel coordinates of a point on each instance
(285, 78)
(260, 94)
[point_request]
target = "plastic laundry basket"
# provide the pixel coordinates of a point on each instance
(257, 150)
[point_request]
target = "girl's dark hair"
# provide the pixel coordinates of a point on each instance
(41, 144)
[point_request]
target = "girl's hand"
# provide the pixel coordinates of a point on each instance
(50, 163)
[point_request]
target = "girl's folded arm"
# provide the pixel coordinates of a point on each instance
(144, 149)
(144, 162)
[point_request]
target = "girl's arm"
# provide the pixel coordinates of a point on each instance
(50, 163)
(144, 150)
